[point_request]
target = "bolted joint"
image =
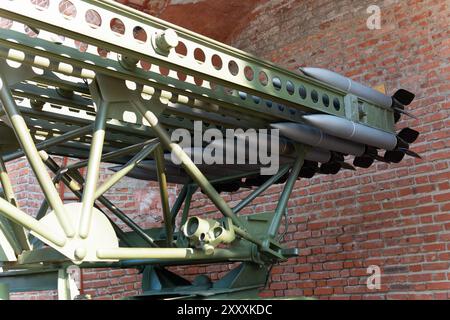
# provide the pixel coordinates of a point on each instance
(127, 63)
(80, 253)
(165, 40)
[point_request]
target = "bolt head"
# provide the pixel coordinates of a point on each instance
(80, 253)
(171, 38)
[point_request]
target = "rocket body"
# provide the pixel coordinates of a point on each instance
(315, 137)
(348, 85)
(353, 131)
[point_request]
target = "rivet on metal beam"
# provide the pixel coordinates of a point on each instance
(164, 41)
(127, 63)
(80, 253)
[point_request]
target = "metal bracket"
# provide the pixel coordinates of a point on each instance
(118, 95)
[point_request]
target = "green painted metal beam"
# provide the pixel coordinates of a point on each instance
(29, 148)
(26, 281)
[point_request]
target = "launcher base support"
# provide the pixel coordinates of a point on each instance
(245, 281)
(46, 268)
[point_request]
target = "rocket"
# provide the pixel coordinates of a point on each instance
(352, 131)
(395, 145)
(397, 102)
(313, 136)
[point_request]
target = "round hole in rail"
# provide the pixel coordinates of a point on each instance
(199, 55)
(139, 34)
(290, 87)
(181, 49)
(256, 99)
(233, 68)
(81, 46)
(249, 74)
(263, 79)
(216, 61)
(5, 23)
(164, 71)
(302, 92)
(198, 81)
(117, 26)
(314, 96)
(276, 82)
(337, 104)
(93, 18)
(326, 100)
(145, 65)
(67, 9)
(181, 76)
(41, 4)
(102, 52)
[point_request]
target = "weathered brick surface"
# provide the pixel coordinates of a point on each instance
(395, 216)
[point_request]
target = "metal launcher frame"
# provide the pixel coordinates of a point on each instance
(100, 82)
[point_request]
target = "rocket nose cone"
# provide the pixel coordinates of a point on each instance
(309, 71)
(278, 126)
(314, 119)
(284, 127)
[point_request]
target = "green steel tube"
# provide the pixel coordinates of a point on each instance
(187, 204)
(18, 230)
(284, 198)
(6, 183)
(125, 170)
(112, 155)
(235, 176)
(260, 189)
(93, 169)
(181, 254)
(219, 256)
(144, 253)
(44, 204)
(162, 180)
(4, 291)
(187, 163)
(52, 142)
(29, 148)
(178, 203)
(13, 213)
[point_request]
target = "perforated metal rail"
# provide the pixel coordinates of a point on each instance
(104, 27)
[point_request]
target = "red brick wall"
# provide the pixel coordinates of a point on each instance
(394, 216)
